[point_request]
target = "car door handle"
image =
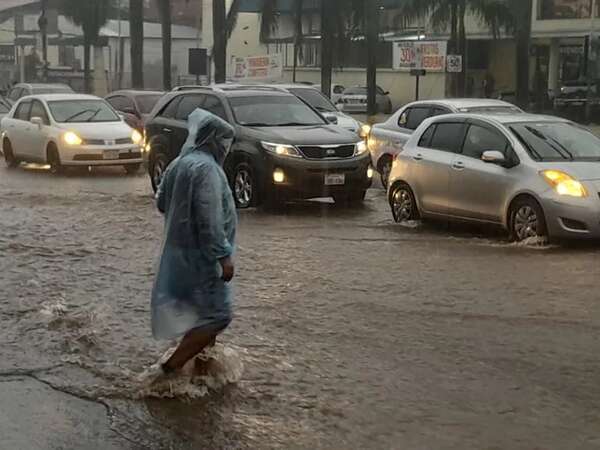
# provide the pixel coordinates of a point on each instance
(458, 165)
(418, 157)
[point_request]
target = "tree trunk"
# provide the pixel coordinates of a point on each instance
(87, 73)
(297, 35)
(327, 24)
(372, 31)
(220, 40)
(165, 14)
(523, 37)
(461, 81)
(136, 27)
(453, 47)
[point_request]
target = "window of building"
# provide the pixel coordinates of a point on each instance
(564, 9)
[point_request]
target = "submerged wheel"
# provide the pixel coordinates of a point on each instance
(527, 220)
(9, 156)
(244, 186)
(53, 158)
(403, 204)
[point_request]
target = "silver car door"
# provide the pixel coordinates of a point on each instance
(433, 160)
(478, 190)
(37, 137)
(18, 129)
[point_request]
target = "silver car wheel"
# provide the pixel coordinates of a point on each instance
(526, 223)
(243, 187)
(402, 205)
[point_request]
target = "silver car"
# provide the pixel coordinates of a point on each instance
(387, 139)
(537, 176)
(354, 101)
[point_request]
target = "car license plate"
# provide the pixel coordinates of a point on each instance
(335, 179)
(111, 154)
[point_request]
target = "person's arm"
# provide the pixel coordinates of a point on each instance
(208, 202)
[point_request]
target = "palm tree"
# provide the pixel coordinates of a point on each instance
(164, 8)
(452, 13)
(91, 17)
(298, 32)
(522, 22)
(372, 35)
(136, 31)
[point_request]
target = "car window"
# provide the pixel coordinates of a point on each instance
(22, 112)
(356, 91)
(439, 111)
(214, 105)
(413, 117)
(52, 90)
(38, 110)
(314, 98)
(147, 102)
(273, 111)
(448, 137)
(380, 91)
(480, 139)
(4, 107)
(120, 102)
(170, 110)
(188, 104)
(15, 94)
(426, 137)
(80, 111)
(338, 89)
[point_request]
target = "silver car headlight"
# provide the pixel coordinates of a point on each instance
(282, 149)
(563, 183)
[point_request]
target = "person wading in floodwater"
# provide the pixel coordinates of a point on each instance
(192, 292)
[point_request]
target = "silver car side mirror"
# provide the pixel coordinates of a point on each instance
(493, 157)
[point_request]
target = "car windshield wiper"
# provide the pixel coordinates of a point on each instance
(557, 146)
(258, 124)
(94, 115)
(74, 116)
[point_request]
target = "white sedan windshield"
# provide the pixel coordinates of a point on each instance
(65, 111)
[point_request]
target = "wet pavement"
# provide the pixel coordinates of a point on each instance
(353, 332)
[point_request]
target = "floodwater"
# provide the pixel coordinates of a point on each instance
(351, 332)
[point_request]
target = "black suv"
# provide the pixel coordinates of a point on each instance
(283, 148)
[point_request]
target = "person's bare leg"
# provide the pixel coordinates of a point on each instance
(192, 344)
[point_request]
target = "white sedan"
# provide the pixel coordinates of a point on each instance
(69, 130)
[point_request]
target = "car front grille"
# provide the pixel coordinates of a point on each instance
(327, 151)
(122, 141)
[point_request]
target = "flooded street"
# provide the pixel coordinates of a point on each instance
(353, 332)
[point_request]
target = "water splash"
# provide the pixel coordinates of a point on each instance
(412, 224)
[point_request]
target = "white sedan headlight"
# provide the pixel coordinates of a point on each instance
(282, 149)
(137, 137)
(72, 138)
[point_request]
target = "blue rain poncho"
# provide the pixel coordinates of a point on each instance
(200, 224)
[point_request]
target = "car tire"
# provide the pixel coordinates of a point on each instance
(53, 159)
(158, 165)
(352, 199)
(385, 168)
(132, 169)
(9, 155)
(244, 186)
(403, 203)
(527, 220)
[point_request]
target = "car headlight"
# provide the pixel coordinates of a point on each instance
(563, 183)
(365, 130)
(361, 147)
(71, 138)
(282, 149)
(137, 137)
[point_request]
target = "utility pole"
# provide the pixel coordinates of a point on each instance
(372, 36)
(590, 60)
(43, 25)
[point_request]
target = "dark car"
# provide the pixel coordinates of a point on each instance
(283, 149)
(135, 106)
